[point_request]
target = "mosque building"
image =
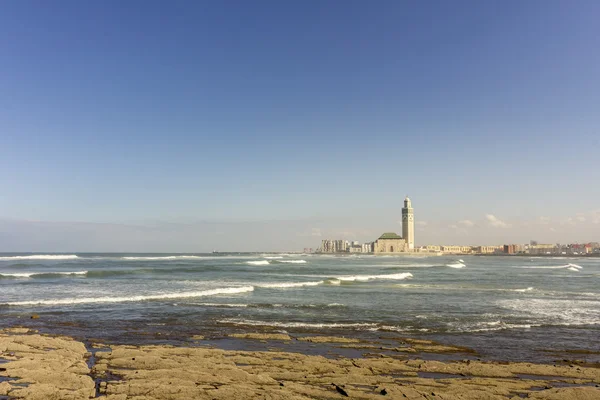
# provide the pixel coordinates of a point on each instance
(391, 242)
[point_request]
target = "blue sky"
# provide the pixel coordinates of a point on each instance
(320, 115)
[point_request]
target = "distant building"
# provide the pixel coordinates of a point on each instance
(367, 247)
(390, 242)
(487, 249)
(455, 249)
(408, 224)
(542, 248)
(355, 249)
(510, 249)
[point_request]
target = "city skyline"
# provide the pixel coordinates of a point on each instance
(267, 126)
(283, 235)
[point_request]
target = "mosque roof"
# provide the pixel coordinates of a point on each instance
(390, 235)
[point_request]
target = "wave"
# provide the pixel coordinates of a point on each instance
(165, 258)
(555, 311)
(364, 278)
(163, 296)
(458, 264)
(261, 262)
(570, 267)
(274, 258)
(278, 324)
(266, 305)
(284, 285)
(496, 326)
(225, 305)
(41, 257)
(529, 289)
(40, 274)
(293, 261)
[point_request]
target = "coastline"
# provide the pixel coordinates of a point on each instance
(34, 366)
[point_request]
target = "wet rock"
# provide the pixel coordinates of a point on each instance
(340, 390)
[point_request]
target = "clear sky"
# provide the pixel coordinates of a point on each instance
(170, 126)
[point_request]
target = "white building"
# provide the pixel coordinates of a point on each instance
(408, 224)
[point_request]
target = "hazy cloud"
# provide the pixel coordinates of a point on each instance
(467, 222)
(421, 223)
(495, 221)
(544, 220)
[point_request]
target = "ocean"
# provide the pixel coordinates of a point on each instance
(505, 308)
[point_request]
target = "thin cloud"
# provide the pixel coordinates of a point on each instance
(544, 220)
(467, 223)
(495, 221)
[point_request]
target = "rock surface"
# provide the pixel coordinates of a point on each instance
(45, 367)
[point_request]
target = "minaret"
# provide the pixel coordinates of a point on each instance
(408, 224)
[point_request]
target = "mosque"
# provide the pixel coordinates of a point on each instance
(390, 242)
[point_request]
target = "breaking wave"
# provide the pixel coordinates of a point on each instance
(364, 278)
(495, 326)
(284, 285)
(278, 324)
(39, 274)
(164, 296)
(570, 267)
(293, 261)
(458, 264)
(261, 262)
(529, 289)
(41, 257)
(164, 258)
(555, 311)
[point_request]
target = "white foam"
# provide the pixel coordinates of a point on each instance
(284, 285)
(456, 265)
(41, 257)
(274, 258)
(30, 274)
(278, 324)
(165, 258)
(529, 289)
(261, 262)
(496, 326)
(571, 267)
(93, 300)
(555, 311)
(333, 281)
(227, 305)
(19, 275)
(293, 261)
(364, 278)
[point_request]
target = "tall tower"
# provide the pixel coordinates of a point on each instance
(408, 224)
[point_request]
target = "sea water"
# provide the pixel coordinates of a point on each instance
(511, 308)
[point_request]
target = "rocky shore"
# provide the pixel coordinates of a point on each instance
(37, 366)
